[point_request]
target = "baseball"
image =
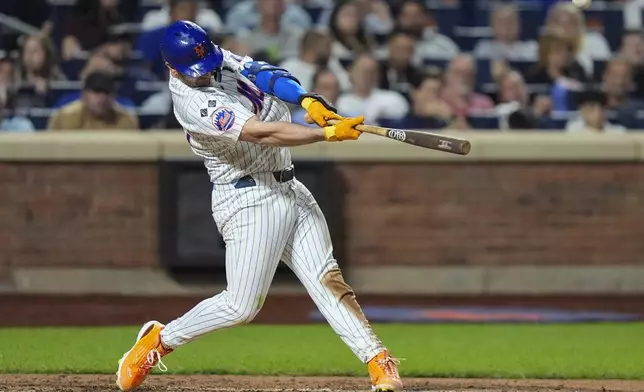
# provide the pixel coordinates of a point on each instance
(582, 3)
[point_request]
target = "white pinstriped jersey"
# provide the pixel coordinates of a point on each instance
(213, 118)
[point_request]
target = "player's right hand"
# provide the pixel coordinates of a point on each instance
(345, 129)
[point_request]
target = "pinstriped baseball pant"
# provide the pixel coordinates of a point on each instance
(262, 225)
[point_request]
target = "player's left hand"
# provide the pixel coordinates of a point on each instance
(319, 109)
(344, 130)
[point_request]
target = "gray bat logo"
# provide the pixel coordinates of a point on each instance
(397, 134)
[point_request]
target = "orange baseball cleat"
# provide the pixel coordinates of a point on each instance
(383, 369)
(144, 356)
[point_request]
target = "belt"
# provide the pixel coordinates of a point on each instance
(280, 176)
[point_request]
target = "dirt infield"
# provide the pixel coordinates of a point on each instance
(95, 383)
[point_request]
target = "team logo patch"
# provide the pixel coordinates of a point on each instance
(200, 51)
(204, 112)
(212, 103)
(223, 118)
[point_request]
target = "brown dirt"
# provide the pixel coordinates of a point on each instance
(86, 310)
(83, 383)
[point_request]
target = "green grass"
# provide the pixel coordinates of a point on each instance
(523, 351)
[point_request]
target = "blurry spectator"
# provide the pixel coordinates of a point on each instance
(88, 24)
(12, 123)
(556, 60)
(514, 109)
(592, 115)
(558, 68)
(428, 110)
(414, 17)
(315, 52)
(567, 20)
(366, 99)
(632, 50)
(376, 16)
(148, 42)
(231, 43)
(459, 91)
(327, 85)
(398, 73)
(157, 18)
(39, 67)
(617, 84)
(99, 62)
(269, 35)
(632, 47)
(506, 44)
(118, 49)
(7, 73)
(245, 15)
(348, 32)
(96, 110)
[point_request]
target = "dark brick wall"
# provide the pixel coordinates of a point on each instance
(97, 215)
(484, 213)
(90, 215)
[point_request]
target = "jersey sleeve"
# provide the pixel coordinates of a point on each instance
(234, 62)
(213, 114)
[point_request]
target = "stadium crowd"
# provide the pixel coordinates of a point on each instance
(423, 64)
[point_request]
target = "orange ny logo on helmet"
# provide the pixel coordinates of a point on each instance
(200, 50)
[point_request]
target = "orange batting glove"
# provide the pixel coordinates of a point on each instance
(344, 130)
(319, 109)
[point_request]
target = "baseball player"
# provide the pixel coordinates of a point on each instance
(234, 114)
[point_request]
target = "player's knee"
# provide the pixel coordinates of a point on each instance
(245, 313)
(245, 316)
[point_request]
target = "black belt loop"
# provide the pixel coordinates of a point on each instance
(284, 175)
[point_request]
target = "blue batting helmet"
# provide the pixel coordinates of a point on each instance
(189, 50)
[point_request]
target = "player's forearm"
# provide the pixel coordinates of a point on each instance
(281, 134)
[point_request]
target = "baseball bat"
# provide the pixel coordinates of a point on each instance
(433, 141)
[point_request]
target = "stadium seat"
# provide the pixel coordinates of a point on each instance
(467, 37)
(72, 68)
(40, 117)
(316, 13)
(440, 63)
(147, 121)
(599, 67)
(483, 71)
(522, 66)
(59, 89)
(446, 19)
(143, 90)
(532, 21)
(609, 22)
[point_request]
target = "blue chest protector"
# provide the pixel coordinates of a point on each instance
(274, 81)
